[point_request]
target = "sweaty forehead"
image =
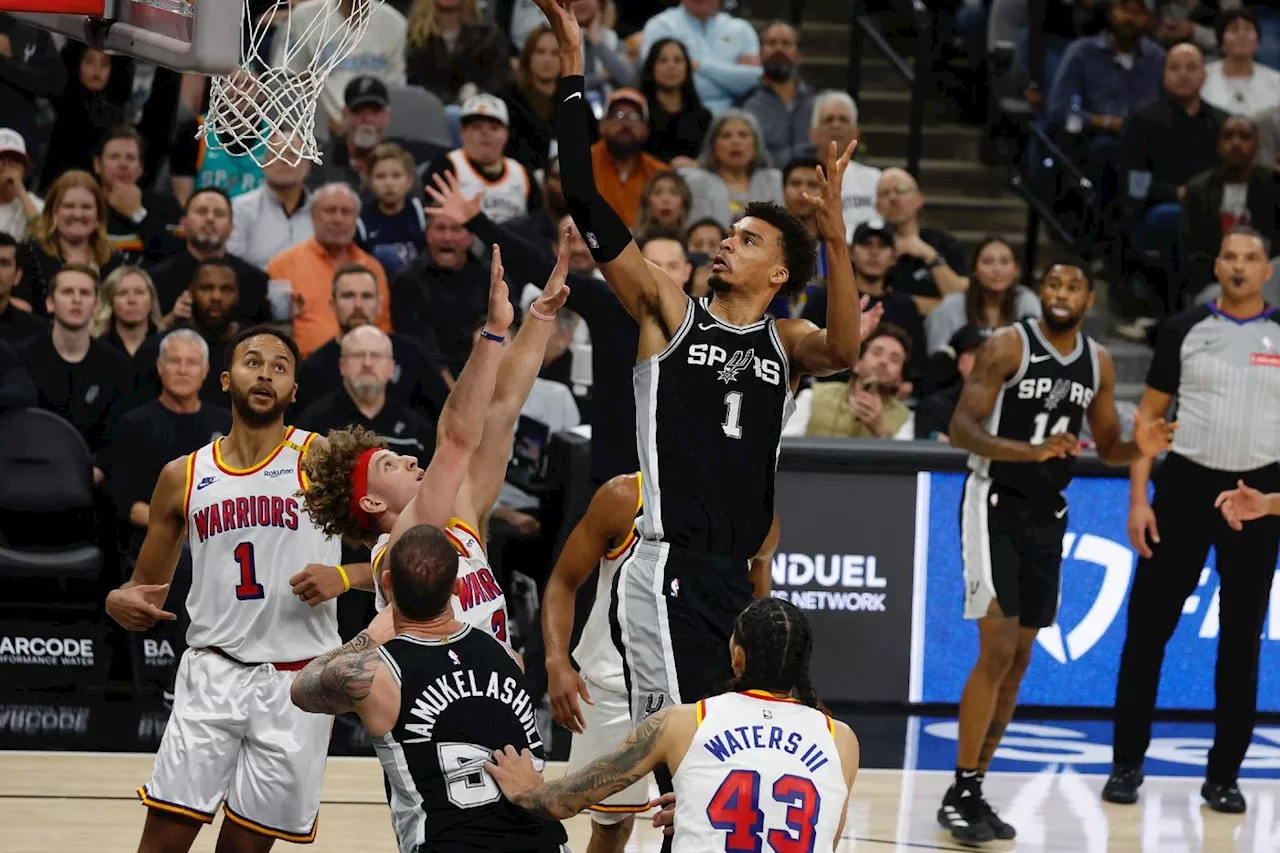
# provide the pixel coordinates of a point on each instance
(270, 346)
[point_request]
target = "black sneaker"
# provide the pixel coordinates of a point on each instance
(1002, 830)
(1223, 798)
(962, 814)
(1122, 785)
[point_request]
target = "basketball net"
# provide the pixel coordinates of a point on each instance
(267, 109)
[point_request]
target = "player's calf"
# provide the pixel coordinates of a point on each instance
(168, 833)
(611, 837)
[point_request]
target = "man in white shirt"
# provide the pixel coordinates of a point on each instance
(724, 50)
(835, 119)
(17, 206)
(275, 216)
(379, 52)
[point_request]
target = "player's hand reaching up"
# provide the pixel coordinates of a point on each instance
(564, 23)
(450, 202)
(1057, 446)
(555, 291)
(829, 201)
(131, 606)
(501, 314)
(513, 771)
(1152, 437)
(1241, 504)
(564, 686)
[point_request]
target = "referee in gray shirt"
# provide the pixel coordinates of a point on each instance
(1222, 362)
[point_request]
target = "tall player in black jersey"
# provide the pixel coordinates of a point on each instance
(714, 379)
(438, 697)
(1021, 409)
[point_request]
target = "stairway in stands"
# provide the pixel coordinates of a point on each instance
(965, 197)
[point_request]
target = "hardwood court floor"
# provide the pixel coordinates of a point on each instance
(57, 801)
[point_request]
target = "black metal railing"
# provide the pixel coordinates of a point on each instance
(917, 75)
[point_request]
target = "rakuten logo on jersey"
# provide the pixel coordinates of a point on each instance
(46, 651)
(845, 580)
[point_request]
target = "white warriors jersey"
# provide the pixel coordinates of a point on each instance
(597, 656)
(249, 533)
(505, 197)
(759, 769)
(482, 603)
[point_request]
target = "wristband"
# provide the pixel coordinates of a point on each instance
(490, 336)
(346, 581)
(538, 315)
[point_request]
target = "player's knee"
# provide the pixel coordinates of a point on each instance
(612, 837)
(996, 657)
(1021, 660)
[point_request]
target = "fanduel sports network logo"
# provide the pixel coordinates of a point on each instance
(1117, 560)
(838, 574)
(46, 651)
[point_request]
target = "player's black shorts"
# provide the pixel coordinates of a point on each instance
(1012, 550)
(672, 617)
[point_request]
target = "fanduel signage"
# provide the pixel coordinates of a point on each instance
(845, 558)
(1076, 660)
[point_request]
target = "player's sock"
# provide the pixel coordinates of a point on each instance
(966, 778)
(961, 811)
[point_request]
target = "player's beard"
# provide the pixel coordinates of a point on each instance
(253, 418)
(1057, 326)
(718, 284)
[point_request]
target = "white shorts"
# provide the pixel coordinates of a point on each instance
(235, 739)
(608, 724)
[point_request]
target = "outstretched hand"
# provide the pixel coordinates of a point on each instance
(1152, 437)
(450, 202)
(501, 314)
(829, 202)
(869, 317)
(555, 291)
(1241, 504)
(514, 771)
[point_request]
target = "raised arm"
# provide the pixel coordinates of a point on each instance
(648, 293)
(137, 604)
(997, 360)
(461, 425)
(520, 367)
(1151, 436)
(607, 525)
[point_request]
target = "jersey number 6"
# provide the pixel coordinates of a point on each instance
(248, 589)
(735, 809)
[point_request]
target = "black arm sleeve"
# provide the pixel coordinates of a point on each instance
(605, 232)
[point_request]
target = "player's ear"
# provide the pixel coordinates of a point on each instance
(779, 276)
(225, 379)
(372, 505)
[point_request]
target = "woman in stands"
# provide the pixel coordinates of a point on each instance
(128, 310)
(994, 298)
(733, 169)
(1238, 83)
(531, 99)
(453, 53)
(677, 119)
(72, 229)
(665, 203)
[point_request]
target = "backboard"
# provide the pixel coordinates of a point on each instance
(184, 35)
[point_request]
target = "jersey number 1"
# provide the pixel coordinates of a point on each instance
(1042, 422)
(248, 589)
(735, 809)
(731, 425)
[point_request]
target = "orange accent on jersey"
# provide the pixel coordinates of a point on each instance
(637, 809)
(172, 808)
(769, 697)
(700, 712)
(191, 480)
(242, 472)
(302, 475)
(268, 831)
(462, 525)
(622, 549)
(831, 724)
(457, 543)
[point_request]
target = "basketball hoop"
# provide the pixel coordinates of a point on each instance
(274, 93)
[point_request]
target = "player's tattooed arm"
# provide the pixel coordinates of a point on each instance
(997, 360)
(565, 797)
(335, 681)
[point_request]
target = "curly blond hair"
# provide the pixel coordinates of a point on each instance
(328, 493)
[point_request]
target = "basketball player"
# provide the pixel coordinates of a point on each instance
(438, 697)
(602, 539)
(714, 384)
(1021, 409)
(234, 738)
(365, 493)
(761, 764)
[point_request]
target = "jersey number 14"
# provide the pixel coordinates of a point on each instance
(1042, 423)
(735, 809)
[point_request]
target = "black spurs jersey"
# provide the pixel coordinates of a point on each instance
(709, 415)
(1049, 393)
(461, 698)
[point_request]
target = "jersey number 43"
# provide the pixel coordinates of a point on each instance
(735, 809)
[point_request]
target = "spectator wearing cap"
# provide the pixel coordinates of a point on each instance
(454, 53)
(725, 51)
(782, 103)
(619, 162)
(993, 298)
(872, 254)
(273, 217)
(379, 53)
(835, 119)
(732, 170)
(309, 267)
(480, 167)
(18, 207)
(955, 361)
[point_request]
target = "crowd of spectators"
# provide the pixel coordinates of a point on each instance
(132, 252)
